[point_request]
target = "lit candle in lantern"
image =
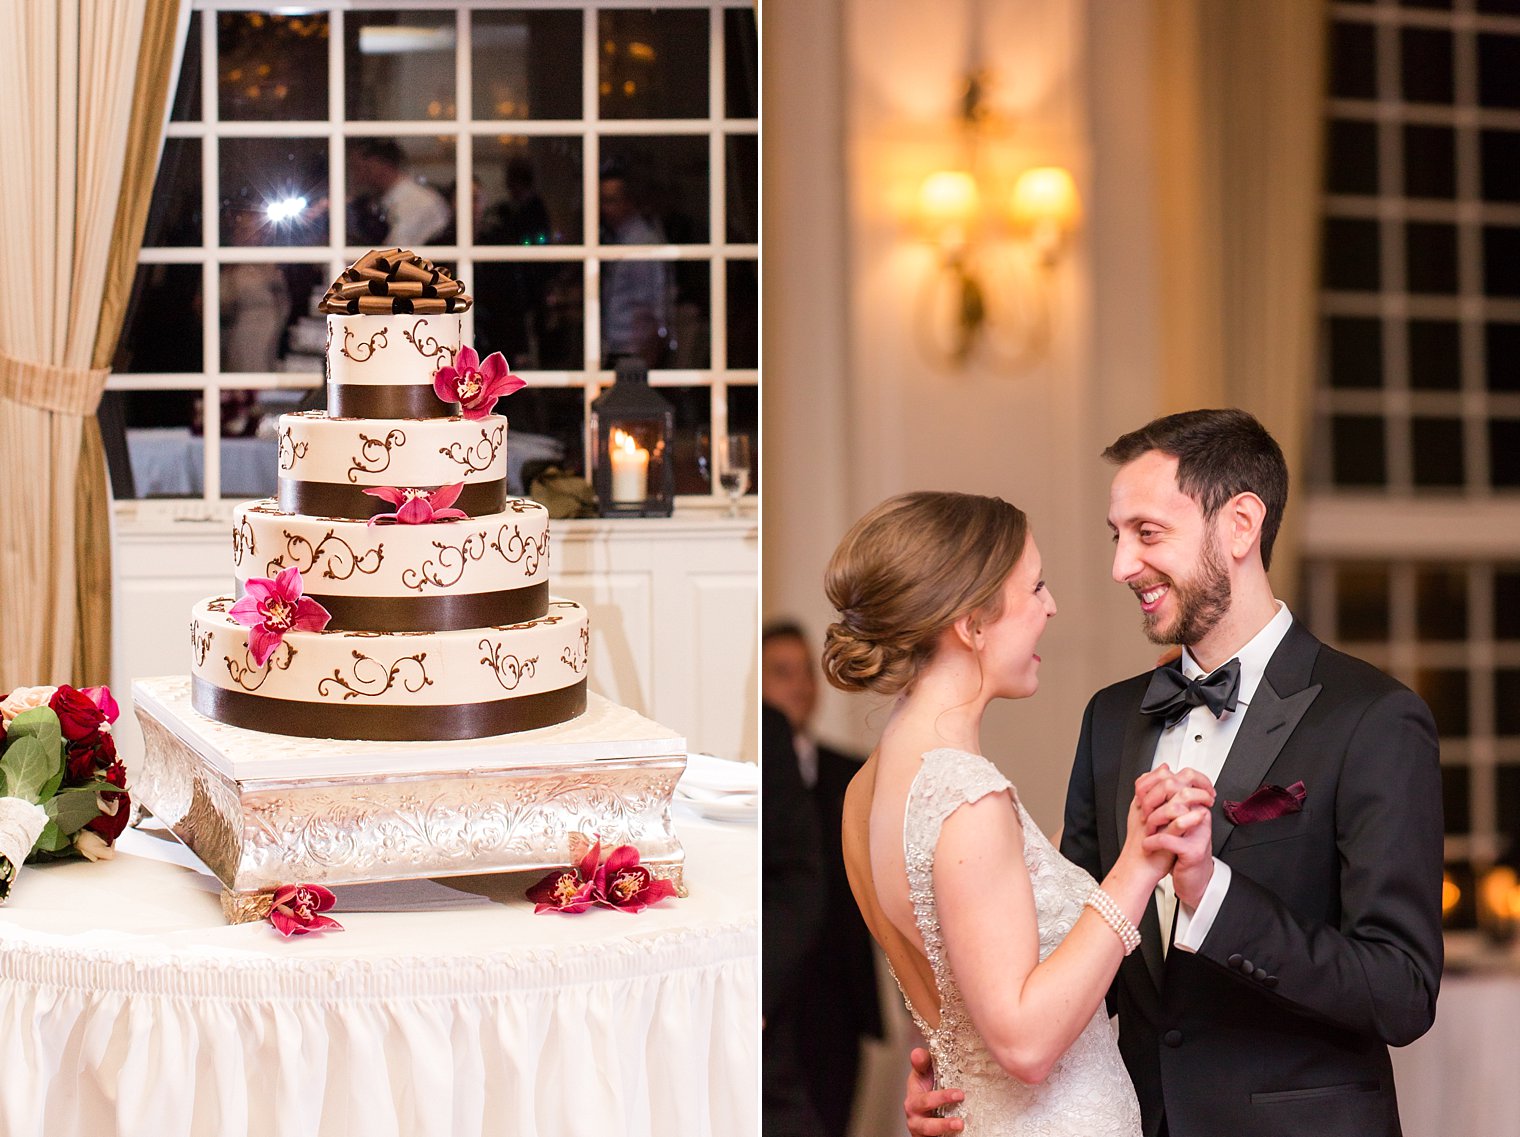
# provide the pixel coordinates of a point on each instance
(630, 468)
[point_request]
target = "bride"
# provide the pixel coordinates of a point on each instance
(1003, 949)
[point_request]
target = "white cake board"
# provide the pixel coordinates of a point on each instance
(262, 810)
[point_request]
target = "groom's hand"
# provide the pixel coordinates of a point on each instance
(923, 1102)
(1182, 825)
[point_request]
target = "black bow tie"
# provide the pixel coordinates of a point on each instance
(1170, 696)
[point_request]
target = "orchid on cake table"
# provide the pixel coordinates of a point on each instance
(391, 613)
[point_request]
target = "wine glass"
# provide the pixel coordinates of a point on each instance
(734, 458)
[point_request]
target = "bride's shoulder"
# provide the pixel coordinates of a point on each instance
(946, 769)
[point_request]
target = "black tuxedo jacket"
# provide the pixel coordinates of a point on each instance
(1327, 948)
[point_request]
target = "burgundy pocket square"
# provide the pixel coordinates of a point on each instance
(1266, 803)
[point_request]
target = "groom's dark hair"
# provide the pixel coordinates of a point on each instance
(1219, 454)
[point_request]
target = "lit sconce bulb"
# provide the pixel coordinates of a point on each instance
(1450, 894)
(1045, 207)
(949, 203)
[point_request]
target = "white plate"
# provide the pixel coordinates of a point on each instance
(744, 809)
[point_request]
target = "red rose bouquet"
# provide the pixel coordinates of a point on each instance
(63, 791)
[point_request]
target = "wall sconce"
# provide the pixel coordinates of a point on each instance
(980, 296)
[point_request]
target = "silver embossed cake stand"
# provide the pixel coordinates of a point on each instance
(262, 810)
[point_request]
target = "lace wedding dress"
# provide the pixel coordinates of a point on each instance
(1088, 1093)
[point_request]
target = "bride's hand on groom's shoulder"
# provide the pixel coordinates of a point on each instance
(1179, 824)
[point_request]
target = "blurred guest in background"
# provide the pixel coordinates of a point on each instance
(635, 294)
(838, 1006)
(416, 214)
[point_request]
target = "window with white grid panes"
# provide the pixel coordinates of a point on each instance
(1412, 551)
(590, 171)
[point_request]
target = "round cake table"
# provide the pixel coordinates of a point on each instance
(446, 1007)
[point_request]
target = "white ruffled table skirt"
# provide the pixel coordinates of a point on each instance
(446, 1009)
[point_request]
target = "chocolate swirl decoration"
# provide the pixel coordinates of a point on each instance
(342, 561)
(548, 621)
(521, 505)
(504, 665)
(283, 657)
(477, 457)
(378, 678)
(451, 559)
(374, 454)
(517, 548)
(386, 282)
(576, 657)
(221, 605)
(291, 451)
(242, 542)
(428, 346)
(364, 350)
(200, 643)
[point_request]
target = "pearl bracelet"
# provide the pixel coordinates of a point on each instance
(1104, 905)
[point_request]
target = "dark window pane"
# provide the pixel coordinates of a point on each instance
(530, 191)
(744, 418)
(1502, 348)
(547, 428)
(401, 191)
(1501, 260)
(531, 312)
(743, 314)
(1507, 703)
(400, 65)
(1431, 249)
(174, 213)
(659, 310)
(1356, 351)
(1361, 602)
(1500, 152)
(654, 189)
(270, 191)
(743, 174)
(250, 462)
(1351, 164)
(1353, 62)
(1441, 603)
(1507, 604)
(1500, 7)
(1456, 785)
(1425, 65)
(1445, 689)
(187, 94)
(1430, 161)
(1507, 804)
(526, 64)
(1504, 453)
(1356, 442)
(1499, 70)
(1352, 259)
(741, 72)
(1446, 4)
(693, 446)
(652, 64)
(1435, 355)
(1437, 444)
(163, 325)
(271, 67)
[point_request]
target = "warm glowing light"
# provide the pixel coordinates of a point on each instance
(643, 51)
(1450, 894)
(1045, 206)
(285, 209)
(949, 202)
(629, 88)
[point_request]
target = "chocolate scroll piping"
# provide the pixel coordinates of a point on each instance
(386, 282)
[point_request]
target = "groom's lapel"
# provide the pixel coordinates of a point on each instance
(1141, 734)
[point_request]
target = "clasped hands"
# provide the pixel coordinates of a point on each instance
(1170, 817)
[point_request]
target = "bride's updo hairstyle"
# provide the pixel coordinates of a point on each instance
(907, 571)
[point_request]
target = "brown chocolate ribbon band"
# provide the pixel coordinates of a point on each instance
(387, 723)
(450, 612)
(402, 400)
(351, 503)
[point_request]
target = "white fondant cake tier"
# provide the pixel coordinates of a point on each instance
(327, 463)
(389, 350)
(393, 686)
(486, 570)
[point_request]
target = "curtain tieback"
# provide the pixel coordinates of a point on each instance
(66, 390)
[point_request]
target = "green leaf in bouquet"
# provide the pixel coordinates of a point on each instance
(40, 723)
(28, 766)
(73, 809)
(52, 840)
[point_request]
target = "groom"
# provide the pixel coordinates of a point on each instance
(1269, 987)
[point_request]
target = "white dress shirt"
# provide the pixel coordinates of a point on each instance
(1202, 742)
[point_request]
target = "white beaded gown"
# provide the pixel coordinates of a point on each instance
(1088, 1093)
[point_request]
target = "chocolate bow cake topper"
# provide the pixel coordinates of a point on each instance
(386, 282)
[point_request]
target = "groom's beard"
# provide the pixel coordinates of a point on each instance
(1201, 601)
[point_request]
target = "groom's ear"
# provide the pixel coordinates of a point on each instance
(1244, 514)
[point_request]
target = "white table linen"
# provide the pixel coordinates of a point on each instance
(445, 1008)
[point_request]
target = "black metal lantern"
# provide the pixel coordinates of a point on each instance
(632, 463)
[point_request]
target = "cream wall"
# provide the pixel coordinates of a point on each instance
(858, 107)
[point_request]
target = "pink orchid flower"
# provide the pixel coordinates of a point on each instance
(568, 890)
(297, 907)
(271, 608)
(474, 385)
(622, 883)
(419, 507)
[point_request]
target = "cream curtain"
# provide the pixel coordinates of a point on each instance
(87, 82)
(1239, 98)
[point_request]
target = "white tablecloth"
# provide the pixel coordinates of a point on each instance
(445, 1008)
